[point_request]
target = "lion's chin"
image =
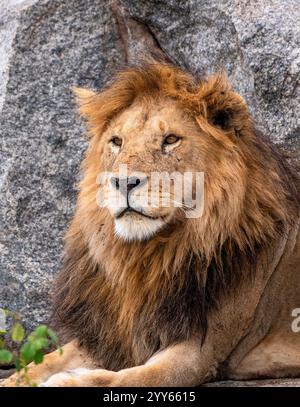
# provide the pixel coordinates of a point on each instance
(137, 227)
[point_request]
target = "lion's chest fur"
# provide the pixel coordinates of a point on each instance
(124, 320)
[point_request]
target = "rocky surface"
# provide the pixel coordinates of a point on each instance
(256, 42)
(5, 373)
(49, 47)
(46, 47)
(256, 383)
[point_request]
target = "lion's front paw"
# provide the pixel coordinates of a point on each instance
(12, 381)
(82, 378)
(64, 379)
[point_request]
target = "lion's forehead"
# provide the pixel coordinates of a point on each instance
(148, 120)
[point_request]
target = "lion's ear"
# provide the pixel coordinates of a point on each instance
(91, 108)
(85, 99)
(225, 109)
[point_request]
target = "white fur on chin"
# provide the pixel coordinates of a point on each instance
(131, 229)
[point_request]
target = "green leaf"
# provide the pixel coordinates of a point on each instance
(53, 337)
(18, 364)
(39, 357)
(2, 343)
(5, 357)
(27, 352)
(18, 332)
(41, 331)
(31, 337)
(40, 343)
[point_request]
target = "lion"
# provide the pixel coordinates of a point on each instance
(148, 296)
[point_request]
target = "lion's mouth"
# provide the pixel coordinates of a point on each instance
(129, 210)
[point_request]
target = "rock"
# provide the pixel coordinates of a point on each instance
(46, 47)
(50, 46)
(258, 44)
(6, 373)
(256, 383)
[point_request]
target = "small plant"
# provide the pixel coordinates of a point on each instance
(29, 349)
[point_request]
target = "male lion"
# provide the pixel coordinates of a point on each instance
(151, 297)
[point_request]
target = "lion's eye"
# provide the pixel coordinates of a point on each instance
(170, 139)
(117, 141)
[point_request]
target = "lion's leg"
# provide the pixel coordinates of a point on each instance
(183, 364)
(276, 356)
(71, 358)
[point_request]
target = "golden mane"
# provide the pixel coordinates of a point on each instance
(203, 98)
(125, 300)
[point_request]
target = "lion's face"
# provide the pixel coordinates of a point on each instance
(143, 144)
(159, 120)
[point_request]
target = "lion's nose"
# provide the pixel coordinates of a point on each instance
(127, 184)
